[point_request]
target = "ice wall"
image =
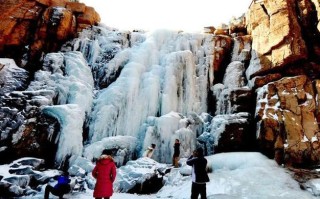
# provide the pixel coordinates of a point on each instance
(66, 79)
(161, 72)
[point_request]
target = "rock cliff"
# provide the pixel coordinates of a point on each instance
(277, 42)
(31, 28)
(284, 68)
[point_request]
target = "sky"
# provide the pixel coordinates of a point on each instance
(167, 14)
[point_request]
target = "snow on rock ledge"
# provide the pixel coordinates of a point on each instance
(136, 173)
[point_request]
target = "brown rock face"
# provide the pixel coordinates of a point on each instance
(222, 47)
(317, 6)
(60, 24)
(285, 44)
(259, 81)
(89, 16)
(34, 27)
(288, 128)
(76, 7)
(52, 2)
(277, 36)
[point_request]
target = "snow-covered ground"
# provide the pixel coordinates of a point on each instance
(234, 176)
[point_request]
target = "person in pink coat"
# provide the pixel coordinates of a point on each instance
(105, 174)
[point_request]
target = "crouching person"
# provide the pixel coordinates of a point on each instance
(61, 188)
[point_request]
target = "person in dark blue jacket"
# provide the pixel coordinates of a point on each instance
(61, 188)
(199, 174)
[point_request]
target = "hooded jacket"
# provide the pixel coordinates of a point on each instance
(105, 173)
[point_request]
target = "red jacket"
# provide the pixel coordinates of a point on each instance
(105, 173)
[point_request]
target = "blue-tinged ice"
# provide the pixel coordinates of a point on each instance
(69, 140)
(166, 72)
(67, 78)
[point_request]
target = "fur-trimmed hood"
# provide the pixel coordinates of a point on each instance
(105, 159)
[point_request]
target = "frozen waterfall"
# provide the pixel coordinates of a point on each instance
(161, 73)
(67, 79)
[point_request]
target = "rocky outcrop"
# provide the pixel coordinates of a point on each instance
(146, 182)
(317, 6)
(284, 71)
(30, 28)
(283, 34)
(288, 129)
(222, 47)
(277, 36)
(25, 177)
(276, 46)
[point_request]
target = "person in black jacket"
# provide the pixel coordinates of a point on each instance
(199, 174)
(176, 153)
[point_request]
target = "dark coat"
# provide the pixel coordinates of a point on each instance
(105, 173)
(176, 152)
(199, 165)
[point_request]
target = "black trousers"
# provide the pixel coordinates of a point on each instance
(198, 189)
(49, 189)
